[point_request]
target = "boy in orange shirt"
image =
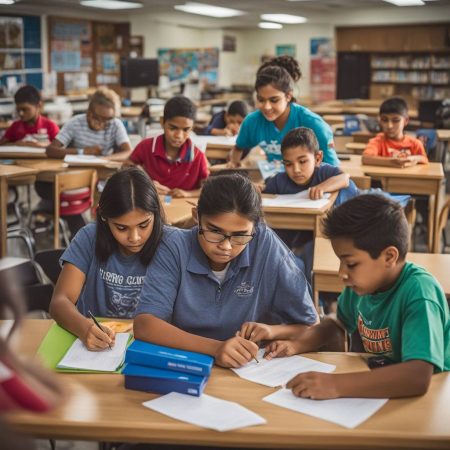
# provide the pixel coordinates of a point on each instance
(392, 147)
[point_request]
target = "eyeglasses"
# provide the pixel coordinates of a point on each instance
(215, 237)
(99, 119)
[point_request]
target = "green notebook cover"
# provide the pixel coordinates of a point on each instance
(55, 345)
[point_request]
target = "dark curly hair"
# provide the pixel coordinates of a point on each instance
(281, 72)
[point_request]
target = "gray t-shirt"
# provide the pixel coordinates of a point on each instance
(112, 288)
(77, 133)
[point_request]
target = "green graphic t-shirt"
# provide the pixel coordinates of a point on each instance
(409, 321)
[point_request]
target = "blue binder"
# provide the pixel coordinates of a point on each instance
(151, 355)
(148, 379)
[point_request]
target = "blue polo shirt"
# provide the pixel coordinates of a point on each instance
(262, 284)
(257, 130)
(282, 184)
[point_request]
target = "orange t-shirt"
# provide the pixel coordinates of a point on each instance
(381, 146)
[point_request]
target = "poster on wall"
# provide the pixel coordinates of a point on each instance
(323, 70)
(184, 64)
(286, 49)
(229, 43)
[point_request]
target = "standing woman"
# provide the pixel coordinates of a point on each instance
(206, 283)
(278, 113)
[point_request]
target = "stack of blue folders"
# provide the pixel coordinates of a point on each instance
(155, 368)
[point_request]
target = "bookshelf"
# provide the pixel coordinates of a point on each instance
(20, 50)
(418, 76)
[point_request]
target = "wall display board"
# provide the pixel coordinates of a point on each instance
(184, 64)
(323, 70)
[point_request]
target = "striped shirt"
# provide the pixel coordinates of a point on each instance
(76, 133)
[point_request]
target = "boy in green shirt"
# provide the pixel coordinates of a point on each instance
(398, 308)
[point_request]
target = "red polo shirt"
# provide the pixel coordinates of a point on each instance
(19, 129)
(186, 172)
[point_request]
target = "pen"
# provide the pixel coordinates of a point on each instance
(256, 359)
(97, 324)
(192, 203)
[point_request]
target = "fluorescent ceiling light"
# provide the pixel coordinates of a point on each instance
(111, 4)
(270, 25)
(7, 2)
(208, 10)
(406, 2)
(283, 18)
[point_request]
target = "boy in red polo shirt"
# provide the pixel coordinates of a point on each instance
(172, 161)
(32, 129)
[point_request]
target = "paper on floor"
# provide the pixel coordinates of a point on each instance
(205, 411)
(278, 371)
(79, 357)
(347, 412)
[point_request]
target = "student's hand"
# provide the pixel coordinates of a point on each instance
(97, 340)
(314, 385)
(179, 193)
(233, 165)
(316, 192)
(235, 352)
(228, 132)
(405, 162)
(161, 189)
(234, 129)
(278, 349)
(93, 150)
(256, 332)
(260, 186)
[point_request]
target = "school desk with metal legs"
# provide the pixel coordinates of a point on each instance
(8, 172)
(98, 408)
(326, 266)
(422, 179)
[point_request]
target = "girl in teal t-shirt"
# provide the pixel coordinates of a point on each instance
(278, 113)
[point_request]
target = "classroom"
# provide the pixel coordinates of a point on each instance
(224, 224)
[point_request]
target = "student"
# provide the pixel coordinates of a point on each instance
(98, 132)
(105, 264)
(305, 171)
(227, 123)
(399, 309)
(393, 147)
(229, 269)
(32, 129)
(172, 161)
(278, 113)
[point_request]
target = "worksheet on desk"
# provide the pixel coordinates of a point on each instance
(108, 360)
(205, 411)
(299, 200)
(278, 371)
(347, 412)
(21, 149)
(84, 159)
(203, 141)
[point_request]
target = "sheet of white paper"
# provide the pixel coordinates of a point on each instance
(299, 200)
(347, 412)
(205, 411)
(79, 357)
(278, 371)
(84, 159)
(5, 328)
(203, 141)
(21, 149)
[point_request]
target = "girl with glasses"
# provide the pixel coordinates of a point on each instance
(206, 286)
(105, 264)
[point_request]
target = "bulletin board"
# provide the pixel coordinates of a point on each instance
(179, 64)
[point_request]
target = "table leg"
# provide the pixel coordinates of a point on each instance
(434, 225)
(3, 215)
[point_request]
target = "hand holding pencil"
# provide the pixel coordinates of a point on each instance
(98, 337)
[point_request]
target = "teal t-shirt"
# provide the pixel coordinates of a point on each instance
(257, 130)
(408, 321)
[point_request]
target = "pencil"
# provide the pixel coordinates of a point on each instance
(256, 359)
(98, 325)
(192, 203)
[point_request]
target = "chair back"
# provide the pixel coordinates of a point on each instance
(76, 203)
(48, 260)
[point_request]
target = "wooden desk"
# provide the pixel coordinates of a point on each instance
(422, 179)
(99, 408)
(8, 172)
(355, 147)
(19, 152)
(296, 218)
(362, 136)
(443, 144)
(334, 119)
(178, 211)
(326, 267)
